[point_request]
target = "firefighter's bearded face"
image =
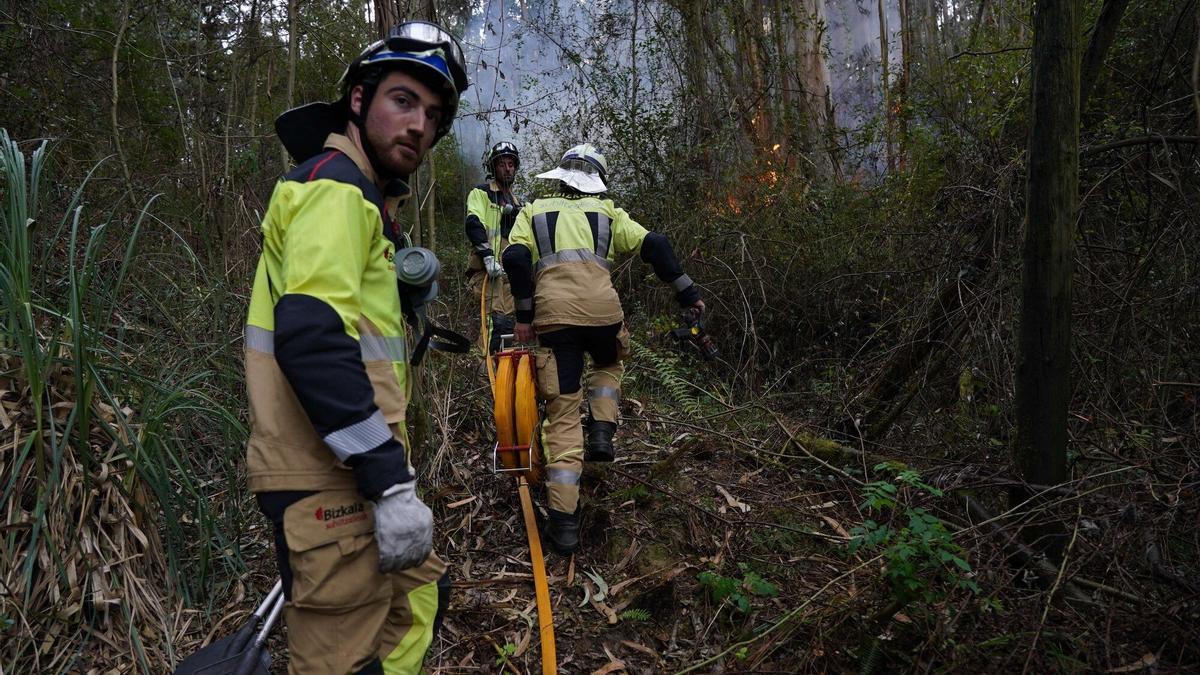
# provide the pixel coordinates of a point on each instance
(506, 171)
(401, 122)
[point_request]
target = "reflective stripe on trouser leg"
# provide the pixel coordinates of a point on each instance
(604, 392)
(562, 438)
(408, 632)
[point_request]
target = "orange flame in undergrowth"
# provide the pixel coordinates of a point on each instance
(763, 186)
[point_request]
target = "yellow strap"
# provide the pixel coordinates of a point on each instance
(540, 586)
(483, 330)
(521, 392)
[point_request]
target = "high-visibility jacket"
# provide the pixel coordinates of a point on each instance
(487, 227)
(326, 357)
(560, 257)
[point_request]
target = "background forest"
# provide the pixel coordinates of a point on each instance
(849, 487)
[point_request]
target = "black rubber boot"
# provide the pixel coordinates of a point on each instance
(562, 532)
(599, 441)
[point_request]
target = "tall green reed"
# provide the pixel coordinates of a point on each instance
(67, 309)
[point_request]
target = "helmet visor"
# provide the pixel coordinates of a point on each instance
(420, 36)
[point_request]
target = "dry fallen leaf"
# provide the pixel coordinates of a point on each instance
(461, 502)
(611, 667)
(733, 503)
(1147, 661)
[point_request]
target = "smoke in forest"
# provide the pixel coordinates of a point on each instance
(531, 69)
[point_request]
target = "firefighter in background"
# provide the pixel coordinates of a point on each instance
(559, 261)
(491, 211)
(326, 365)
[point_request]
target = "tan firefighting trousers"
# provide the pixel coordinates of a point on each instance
(562, 432)
(343, 612)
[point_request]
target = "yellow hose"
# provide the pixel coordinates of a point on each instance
(514, 396)
(540, 585)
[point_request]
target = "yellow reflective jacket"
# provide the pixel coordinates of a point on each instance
(487, 231)
(573, 242)
(325, 342)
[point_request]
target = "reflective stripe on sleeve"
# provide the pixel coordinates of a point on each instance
(682, 283)
(380, 348)
(359, 437)
(260, 339)
(523, 303)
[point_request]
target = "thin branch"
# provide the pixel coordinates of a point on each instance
(116, 94)
(1141, 140)
(991, 53)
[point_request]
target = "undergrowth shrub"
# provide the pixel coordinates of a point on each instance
(118, 444)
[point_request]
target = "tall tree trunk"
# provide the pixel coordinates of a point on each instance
(430, 203)
(1196, 70)
(252, 50)
(387, 14)
(808, 27)
(414, 184)
(1044, 342)
(1103, 36)
(902, 85)
(883, 81)
(293, 48)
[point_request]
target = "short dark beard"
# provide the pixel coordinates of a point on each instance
(386, 170)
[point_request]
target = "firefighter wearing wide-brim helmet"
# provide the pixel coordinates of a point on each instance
(492, 209)
(327, 364)
(559, 261)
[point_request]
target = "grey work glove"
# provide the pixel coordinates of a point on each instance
(492, 266)
(403, 528)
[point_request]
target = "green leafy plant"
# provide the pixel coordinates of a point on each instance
(920, 556)
(504, 653)
(737, 591)
(670, 374)
(635, 615)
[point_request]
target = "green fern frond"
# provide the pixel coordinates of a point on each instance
(670, 373)
(635, 615)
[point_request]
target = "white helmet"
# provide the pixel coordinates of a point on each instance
(583, 167)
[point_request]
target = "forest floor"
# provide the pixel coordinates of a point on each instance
(721, 541)
(720, 544)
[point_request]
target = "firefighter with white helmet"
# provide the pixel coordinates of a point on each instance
(559, 263)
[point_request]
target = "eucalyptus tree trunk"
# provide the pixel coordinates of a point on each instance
(883, 82)
(902, 85)
(1044, 342)
(809, 30)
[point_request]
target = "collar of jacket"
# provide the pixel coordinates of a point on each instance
(494, 187)
(395, 191)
